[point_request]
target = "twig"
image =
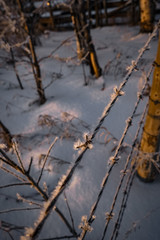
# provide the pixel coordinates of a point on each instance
(30, 164)
(15, 147)
(45, 159)
(14, 184)
(10, 172)
(28, 201)
(60, 45)
(69, 209)
(19, 209)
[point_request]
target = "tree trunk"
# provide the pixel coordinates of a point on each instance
(151, 133)
(146, 15)
(36, 67)
(81, 49)
(85, 44)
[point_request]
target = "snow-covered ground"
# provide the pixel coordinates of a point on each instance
(72, 110)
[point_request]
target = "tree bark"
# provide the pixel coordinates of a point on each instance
(146, 15)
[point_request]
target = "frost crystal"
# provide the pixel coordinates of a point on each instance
(28, 233)
(82, 145)
(85, 225)
(116, 93)
(109, 215)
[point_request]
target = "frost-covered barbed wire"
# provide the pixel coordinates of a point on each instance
(49, 206)
(114, 159)
(126, 193)
(129, 183)
(124, 172)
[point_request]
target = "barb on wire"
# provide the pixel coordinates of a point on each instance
(66, 178)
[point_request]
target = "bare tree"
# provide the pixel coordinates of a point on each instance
(35, 64)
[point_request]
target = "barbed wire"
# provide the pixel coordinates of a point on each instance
(124, 172)
(114, 160)
(49, 206)
(124, 202)
(127, 189)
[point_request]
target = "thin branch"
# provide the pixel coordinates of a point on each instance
(30, 164)
(45, 159)
(57, 238)
(12, 173)
(15, 147)
(14, 184)
(19, 209)
(59, 46)
(69, 209)
(28, 201)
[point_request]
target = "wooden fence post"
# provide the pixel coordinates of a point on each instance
(151, 132)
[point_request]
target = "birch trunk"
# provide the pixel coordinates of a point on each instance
(146, 15)
(151, 132)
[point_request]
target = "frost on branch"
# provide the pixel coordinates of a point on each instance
(84, 225)
(28, 232)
